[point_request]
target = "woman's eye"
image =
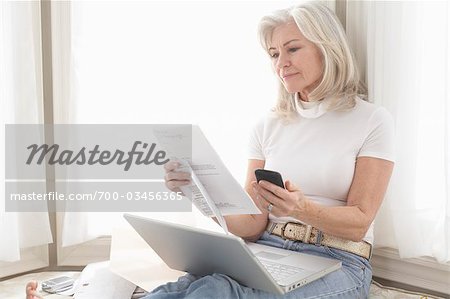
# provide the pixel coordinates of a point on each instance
(274, 55)
(292, 50)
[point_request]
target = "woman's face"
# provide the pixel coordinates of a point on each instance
(296, 60)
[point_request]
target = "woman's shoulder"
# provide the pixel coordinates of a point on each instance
(368, 110)
(267, 122)
(269, 117)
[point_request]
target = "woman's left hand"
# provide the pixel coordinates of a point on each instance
(278, 201)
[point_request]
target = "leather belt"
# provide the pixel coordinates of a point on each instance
(308, 234)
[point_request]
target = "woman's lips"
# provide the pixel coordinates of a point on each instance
(287, 76)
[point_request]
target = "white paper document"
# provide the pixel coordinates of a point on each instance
(97, 281)
(211, 180)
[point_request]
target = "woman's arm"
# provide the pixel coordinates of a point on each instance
(249, 227)
(352, 221)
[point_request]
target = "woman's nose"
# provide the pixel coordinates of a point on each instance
(283, 61)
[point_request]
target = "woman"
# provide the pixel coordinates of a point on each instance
(335, 149)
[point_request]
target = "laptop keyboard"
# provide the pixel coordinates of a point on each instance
(280, 271)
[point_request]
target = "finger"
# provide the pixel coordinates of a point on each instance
(269, 207)
(172, 187)
(32, 285)
(268, 194)
(263, 204)
(291, 187)
(177, 176)
(269, 197)
(275, 211)
(262, 201)
(261, 195)
(175, 185)
(278, 191)
(171, 165)
(35, 295)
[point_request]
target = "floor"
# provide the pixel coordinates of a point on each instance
(15, 288)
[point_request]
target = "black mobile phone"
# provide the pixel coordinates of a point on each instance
(270, 176)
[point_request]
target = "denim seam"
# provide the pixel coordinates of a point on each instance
(286, 244)
(359, 286)
(340, 292)
(330, 251)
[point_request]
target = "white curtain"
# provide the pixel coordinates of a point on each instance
(170, 62)
(167, 62)
(404, 48)
(21, 102)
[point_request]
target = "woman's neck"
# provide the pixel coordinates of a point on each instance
(304, 96)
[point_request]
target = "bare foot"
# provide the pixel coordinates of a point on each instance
(31, 290)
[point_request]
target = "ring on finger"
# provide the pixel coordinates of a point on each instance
(270, 207)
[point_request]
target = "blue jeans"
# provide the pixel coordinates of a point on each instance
(350, 282)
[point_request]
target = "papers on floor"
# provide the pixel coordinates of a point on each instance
(97, 281)
(214, 191)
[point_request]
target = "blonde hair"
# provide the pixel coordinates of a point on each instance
(341, 78)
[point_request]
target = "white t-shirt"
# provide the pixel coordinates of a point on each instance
(317, 151)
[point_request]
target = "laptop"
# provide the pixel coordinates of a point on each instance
(203, 252)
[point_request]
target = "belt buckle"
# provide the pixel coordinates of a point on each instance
(307, 235)
(371, 251)
(305, 239)
(283, 228)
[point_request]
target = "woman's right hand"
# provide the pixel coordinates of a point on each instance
(175, 179)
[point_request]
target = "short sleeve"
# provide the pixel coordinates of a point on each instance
(255, 145)
(380, 136)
